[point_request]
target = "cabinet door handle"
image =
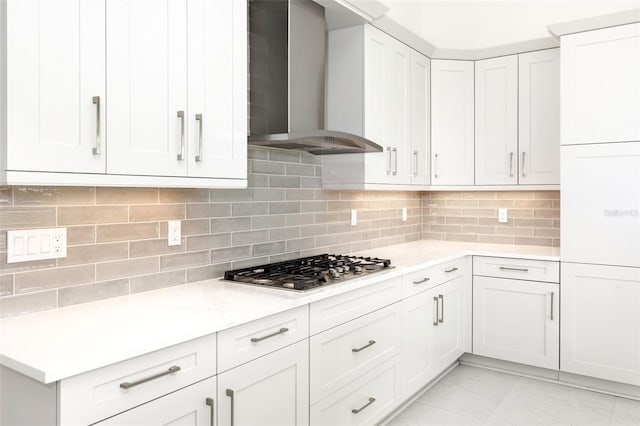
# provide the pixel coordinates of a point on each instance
(388, 160)
(357, 410)
(424, 280)
(230, 394)
(260, 339)
(395, 161)
(371, 343)
(210, 403)
(435, 166)
(128, 385)
(441, 319)
(552, 294)
(435, 303)
(415, 158)
(511, 164)
(507, 268)
(451, 270)
(181, 117)
(97, 148)
(523, 156)
(199, 120)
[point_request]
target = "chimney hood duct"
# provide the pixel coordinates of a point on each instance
(287, 57)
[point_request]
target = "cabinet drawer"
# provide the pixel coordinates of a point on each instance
(194, 405)
(342, 354)
(101, 393)
(252, 340)
(424, 279)
(372, 396)
(522, 269)
(337, 310)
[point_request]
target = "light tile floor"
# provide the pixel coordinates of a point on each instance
(474, 396)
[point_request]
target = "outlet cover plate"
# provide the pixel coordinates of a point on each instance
(502, 215)
(36, 244)
(174, 232)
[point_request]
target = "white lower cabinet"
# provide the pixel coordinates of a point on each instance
(450, 335)
(194, 405)
(362, 402)
(271, 390)
(516, 320)
(601, 322)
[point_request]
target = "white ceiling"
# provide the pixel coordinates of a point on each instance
(481, 24)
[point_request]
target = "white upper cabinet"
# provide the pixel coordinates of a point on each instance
(55, 85)
(452, 127)
(539, 117)
(601, 85)
(420, 118)
(147, 87)
(496, 124)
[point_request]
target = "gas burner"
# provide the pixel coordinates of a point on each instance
(308, 272)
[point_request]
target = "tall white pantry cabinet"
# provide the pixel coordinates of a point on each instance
(601, 203)
(113, 92)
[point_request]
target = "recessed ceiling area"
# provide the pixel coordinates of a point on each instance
(475, 25)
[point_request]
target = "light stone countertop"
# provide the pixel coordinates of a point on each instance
(56, 344)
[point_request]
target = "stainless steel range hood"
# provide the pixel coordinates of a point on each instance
(287, 57)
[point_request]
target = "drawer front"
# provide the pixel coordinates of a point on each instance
(520, 269)
(334, 311)
(194, 405)
(372, 396)
(342, 354)
(241, 344)
(93, 396)
(424, 279)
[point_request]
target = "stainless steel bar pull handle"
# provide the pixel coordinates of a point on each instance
(395, 161)
(523, 163)
(181, 153)
(511, 164)
(210, 403)
(424, 280)
(435, 166)
(552, 294)
(230, 394)
(451, 270)
(415, 158)
(508, 268)
(128, 385)
(260, 339)
(97, 148)
(371, 343)
(435, 303)
(199, 120)
(441, 319)
(388, 160)
(357, 410)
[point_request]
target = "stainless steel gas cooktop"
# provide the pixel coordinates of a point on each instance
(308, 273)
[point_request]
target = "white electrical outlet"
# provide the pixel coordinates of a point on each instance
(404, 214)
(174, 232)
(502, 215)
(36, 244)
(354, 217)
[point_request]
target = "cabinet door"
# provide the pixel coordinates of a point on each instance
(419, 320)
(516, 321)
(55, 70)
(600, 212)
(601, 85)
(272, 390)
(217, 112)
(601, 322)
(539, 117)
(386, 106)
(496, 126)
(420, 119)
(147, 87)
(194, 405)
(449, 335)
(452, 125)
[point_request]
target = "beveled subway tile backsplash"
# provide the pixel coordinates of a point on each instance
(117, 236)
